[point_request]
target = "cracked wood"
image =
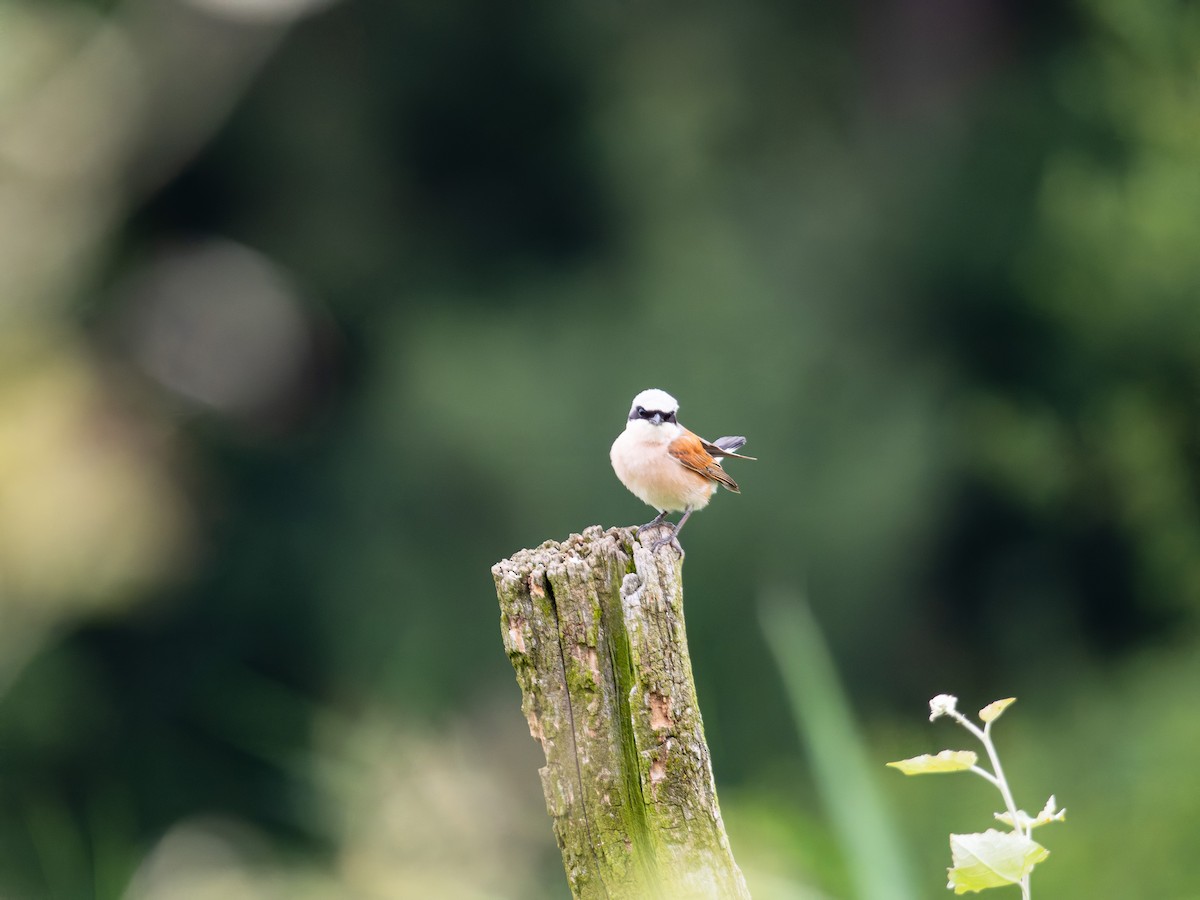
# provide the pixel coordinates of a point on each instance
(595, 632)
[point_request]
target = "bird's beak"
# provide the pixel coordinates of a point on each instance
(657, 418)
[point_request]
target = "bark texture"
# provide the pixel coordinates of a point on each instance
(595, 632)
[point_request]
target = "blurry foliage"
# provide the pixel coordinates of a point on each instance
(936, 260)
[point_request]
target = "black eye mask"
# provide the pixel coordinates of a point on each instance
(640, 412)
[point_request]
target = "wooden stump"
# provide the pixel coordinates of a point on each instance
(594, 629)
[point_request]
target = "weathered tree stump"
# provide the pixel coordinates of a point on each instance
(594, 629)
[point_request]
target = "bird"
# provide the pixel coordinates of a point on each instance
(667, 466)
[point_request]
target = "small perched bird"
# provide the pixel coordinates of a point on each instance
(667, 466)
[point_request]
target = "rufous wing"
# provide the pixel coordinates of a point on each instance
(689, 450)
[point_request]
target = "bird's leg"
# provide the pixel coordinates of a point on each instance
(673, 537)
(657, 520)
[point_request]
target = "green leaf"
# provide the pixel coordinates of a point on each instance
(992, 859)
(946, 761)
(992, 711)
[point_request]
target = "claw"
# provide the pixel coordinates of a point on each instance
(669, 539)
(672, 538)
(657, 520)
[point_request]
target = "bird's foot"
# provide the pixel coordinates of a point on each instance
(657, 520)
(669, 539)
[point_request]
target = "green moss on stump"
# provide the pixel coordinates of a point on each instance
(594, 629)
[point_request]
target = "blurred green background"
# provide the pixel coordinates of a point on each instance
(310, 311)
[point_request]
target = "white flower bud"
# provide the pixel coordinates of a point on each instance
(942, 705)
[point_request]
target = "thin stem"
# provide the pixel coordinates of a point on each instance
(985, 738)
(1002, 783)
(985, 774)
(969, 725)
(996, 777)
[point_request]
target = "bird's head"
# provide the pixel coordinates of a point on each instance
(654, 407)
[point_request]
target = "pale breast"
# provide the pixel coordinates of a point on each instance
(656, 478)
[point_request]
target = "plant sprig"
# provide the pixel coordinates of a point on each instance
(991, 858)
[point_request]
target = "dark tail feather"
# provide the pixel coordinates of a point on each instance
(729, 443)
(724, 446)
